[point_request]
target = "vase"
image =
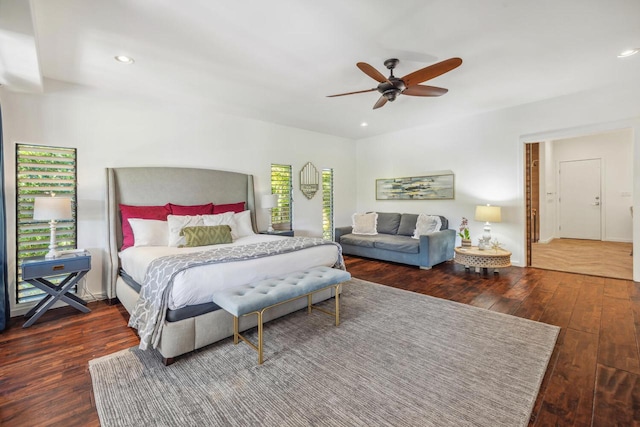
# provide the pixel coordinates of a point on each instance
(466, 242)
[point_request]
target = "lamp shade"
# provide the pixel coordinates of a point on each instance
(52, 208)
(269, 201)
(488, 213)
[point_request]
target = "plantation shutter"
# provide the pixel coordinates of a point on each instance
(40, 171)
(282, 185)
(327, 204)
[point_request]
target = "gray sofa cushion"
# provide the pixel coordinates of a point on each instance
(364, 240)
(388, 223)
(407, 224)
(397, 243)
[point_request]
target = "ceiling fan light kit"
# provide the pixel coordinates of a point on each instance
(392, 86)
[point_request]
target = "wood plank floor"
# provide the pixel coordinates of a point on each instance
(593, 377)
(593, 257)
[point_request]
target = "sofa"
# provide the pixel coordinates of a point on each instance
(394, 241)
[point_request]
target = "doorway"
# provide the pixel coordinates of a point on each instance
(578, 194)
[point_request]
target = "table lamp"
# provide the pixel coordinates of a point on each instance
(488, 214)
(52, 209)
(270, 201)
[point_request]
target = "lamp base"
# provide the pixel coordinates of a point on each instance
(486, 236)
(52, 254)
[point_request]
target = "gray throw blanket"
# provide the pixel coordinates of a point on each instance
(151, 308)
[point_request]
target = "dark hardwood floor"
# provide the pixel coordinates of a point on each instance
(593, 377)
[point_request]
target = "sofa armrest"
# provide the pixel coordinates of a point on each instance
(341, 231)
(437, 247)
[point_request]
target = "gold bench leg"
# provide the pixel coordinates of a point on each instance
(235, 329)
(260, 337)
(337, 292)
(309, 305)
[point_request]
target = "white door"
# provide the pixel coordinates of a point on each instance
(580, 201)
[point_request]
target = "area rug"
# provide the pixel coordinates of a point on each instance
(397, 359)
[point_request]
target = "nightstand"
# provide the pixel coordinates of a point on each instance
(288, 233)
(73, 266)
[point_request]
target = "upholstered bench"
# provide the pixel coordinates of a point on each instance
(256, 298)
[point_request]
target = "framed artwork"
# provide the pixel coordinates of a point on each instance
(433, 186)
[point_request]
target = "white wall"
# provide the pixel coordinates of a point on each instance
(485, 152)
(113, 132)
(615, 151)
(548, 206)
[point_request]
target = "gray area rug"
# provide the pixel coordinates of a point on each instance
(397, 359)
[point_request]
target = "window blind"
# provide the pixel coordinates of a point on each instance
(327, 204)
(40, 171)
(282, 185)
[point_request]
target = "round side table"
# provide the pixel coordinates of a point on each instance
(471, 256)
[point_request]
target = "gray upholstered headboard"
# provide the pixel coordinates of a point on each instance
(154, 186)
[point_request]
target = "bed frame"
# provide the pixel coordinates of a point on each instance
(155, 186)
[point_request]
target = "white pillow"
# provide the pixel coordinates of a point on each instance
(365, 223)
(243, 226)
(218, 219)
(149, 232)
(426, 224)
(177, 223)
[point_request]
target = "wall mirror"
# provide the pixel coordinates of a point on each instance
(309, 180)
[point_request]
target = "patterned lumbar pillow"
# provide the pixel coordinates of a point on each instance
(206, 235)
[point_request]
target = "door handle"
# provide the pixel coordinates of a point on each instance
(596, 204)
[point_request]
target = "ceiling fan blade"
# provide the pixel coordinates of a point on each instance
(351, 93)
(431, 71)
(424, 90)
(371, 72)
(380, 102)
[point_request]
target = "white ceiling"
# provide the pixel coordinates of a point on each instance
(277, 60)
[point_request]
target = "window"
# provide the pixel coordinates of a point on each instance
(327, 204)
(282, 185)
(41, 171)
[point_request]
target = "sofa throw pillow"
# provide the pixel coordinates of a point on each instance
(177, 223)
(365, 223)
(143, 212)
(149, 232)
(426, 224)
(204, 235)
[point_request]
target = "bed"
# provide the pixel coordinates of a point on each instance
(192, 321)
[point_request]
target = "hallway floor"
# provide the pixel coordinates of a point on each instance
(591, 257)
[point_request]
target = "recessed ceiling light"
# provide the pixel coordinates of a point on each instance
(628, 52)
(364, 124)
(124, 59)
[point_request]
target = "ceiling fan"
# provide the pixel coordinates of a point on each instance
(392, 86)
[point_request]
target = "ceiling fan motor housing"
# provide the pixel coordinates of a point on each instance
(391, 88)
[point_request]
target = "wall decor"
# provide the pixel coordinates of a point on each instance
(432, 186)
(309, 180)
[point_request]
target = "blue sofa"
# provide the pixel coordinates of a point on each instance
(394, 242)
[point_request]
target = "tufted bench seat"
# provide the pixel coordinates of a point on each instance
(256, 298)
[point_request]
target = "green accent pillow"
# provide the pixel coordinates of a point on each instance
(206, 235)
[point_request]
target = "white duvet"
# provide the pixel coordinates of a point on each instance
(196, 285)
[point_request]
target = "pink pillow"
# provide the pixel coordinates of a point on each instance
(142, 212)
(231, 207)
(191, 210)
